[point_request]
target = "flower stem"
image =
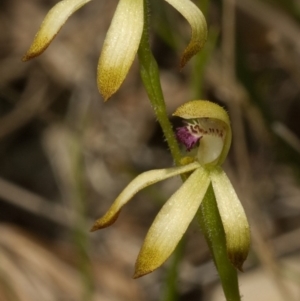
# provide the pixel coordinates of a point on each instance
(212, 228)
(150, 75)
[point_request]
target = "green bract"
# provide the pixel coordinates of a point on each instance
(177, 213)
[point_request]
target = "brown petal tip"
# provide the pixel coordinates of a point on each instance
(30, 55)
(238, 260)
(104, 222)
(140, 273)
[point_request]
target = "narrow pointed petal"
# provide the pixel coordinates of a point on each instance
(233, 217)
(143, 180)
(120, 46)
(51, 25)
(172, 222)
(198, 24)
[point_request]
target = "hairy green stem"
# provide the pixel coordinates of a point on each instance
(212, 227)
(150, 76)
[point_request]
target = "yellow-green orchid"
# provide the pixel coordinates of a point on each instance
(208, 129)
(122, 39)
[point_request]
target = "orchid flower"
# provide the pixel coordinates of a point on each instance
(208, 130)
(122, 39)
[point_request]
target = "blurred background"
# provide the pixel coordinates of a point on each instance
(65, 155)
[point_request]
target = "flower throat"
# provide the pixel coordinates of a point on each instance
(210, 131)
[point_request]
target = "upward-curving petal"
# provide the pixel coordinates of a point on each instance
(233, 217)
(141, 181)
(51, 25)
(198, 24)
(171, 222)
(120, 46)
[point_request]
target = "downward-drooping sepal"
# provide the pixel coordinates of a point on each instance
(120, 46)
(140, 182)
(172, 222)
(51, 25)
(198, 25)
(123, 37)
(233, 218)
(209, 122)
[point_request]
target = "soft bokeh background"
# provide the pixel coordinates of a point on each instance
(65, 155)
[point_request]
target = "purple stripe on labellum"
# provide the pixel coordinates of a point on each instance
(187, 137)
(194, 129)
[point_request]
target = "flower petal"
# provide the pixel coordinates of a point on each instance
(120, 46)
(172, 222)
(198, 24)
(51, 25)
(141, 181)
(233, 217)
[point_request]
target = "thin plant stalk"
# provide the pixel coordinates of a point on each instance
(170, 292)
(76, 120)
(150, 76)
(211, 225)
(80, 237)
